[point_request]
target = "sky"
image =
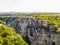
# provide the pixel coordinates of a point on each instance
(29, 6)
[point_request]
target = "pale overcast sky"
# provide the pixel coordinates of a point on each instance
(30, 5)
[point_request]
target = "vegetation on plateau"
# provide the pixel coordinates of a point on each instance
(53, 21)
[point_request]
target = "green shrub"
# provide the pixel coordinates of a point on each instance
(9, 37)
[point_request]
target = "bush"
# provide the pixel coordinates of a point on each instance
(9, 37)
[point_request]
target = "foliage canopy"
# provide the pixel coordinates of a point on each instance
(9, 37)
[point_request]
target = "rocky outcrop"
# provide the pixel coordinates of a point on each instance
(29, 28)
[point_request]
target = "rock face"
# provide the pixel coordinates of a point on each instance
(30, 29)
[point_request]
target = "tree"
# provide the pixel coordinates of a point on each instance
(9, 37)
